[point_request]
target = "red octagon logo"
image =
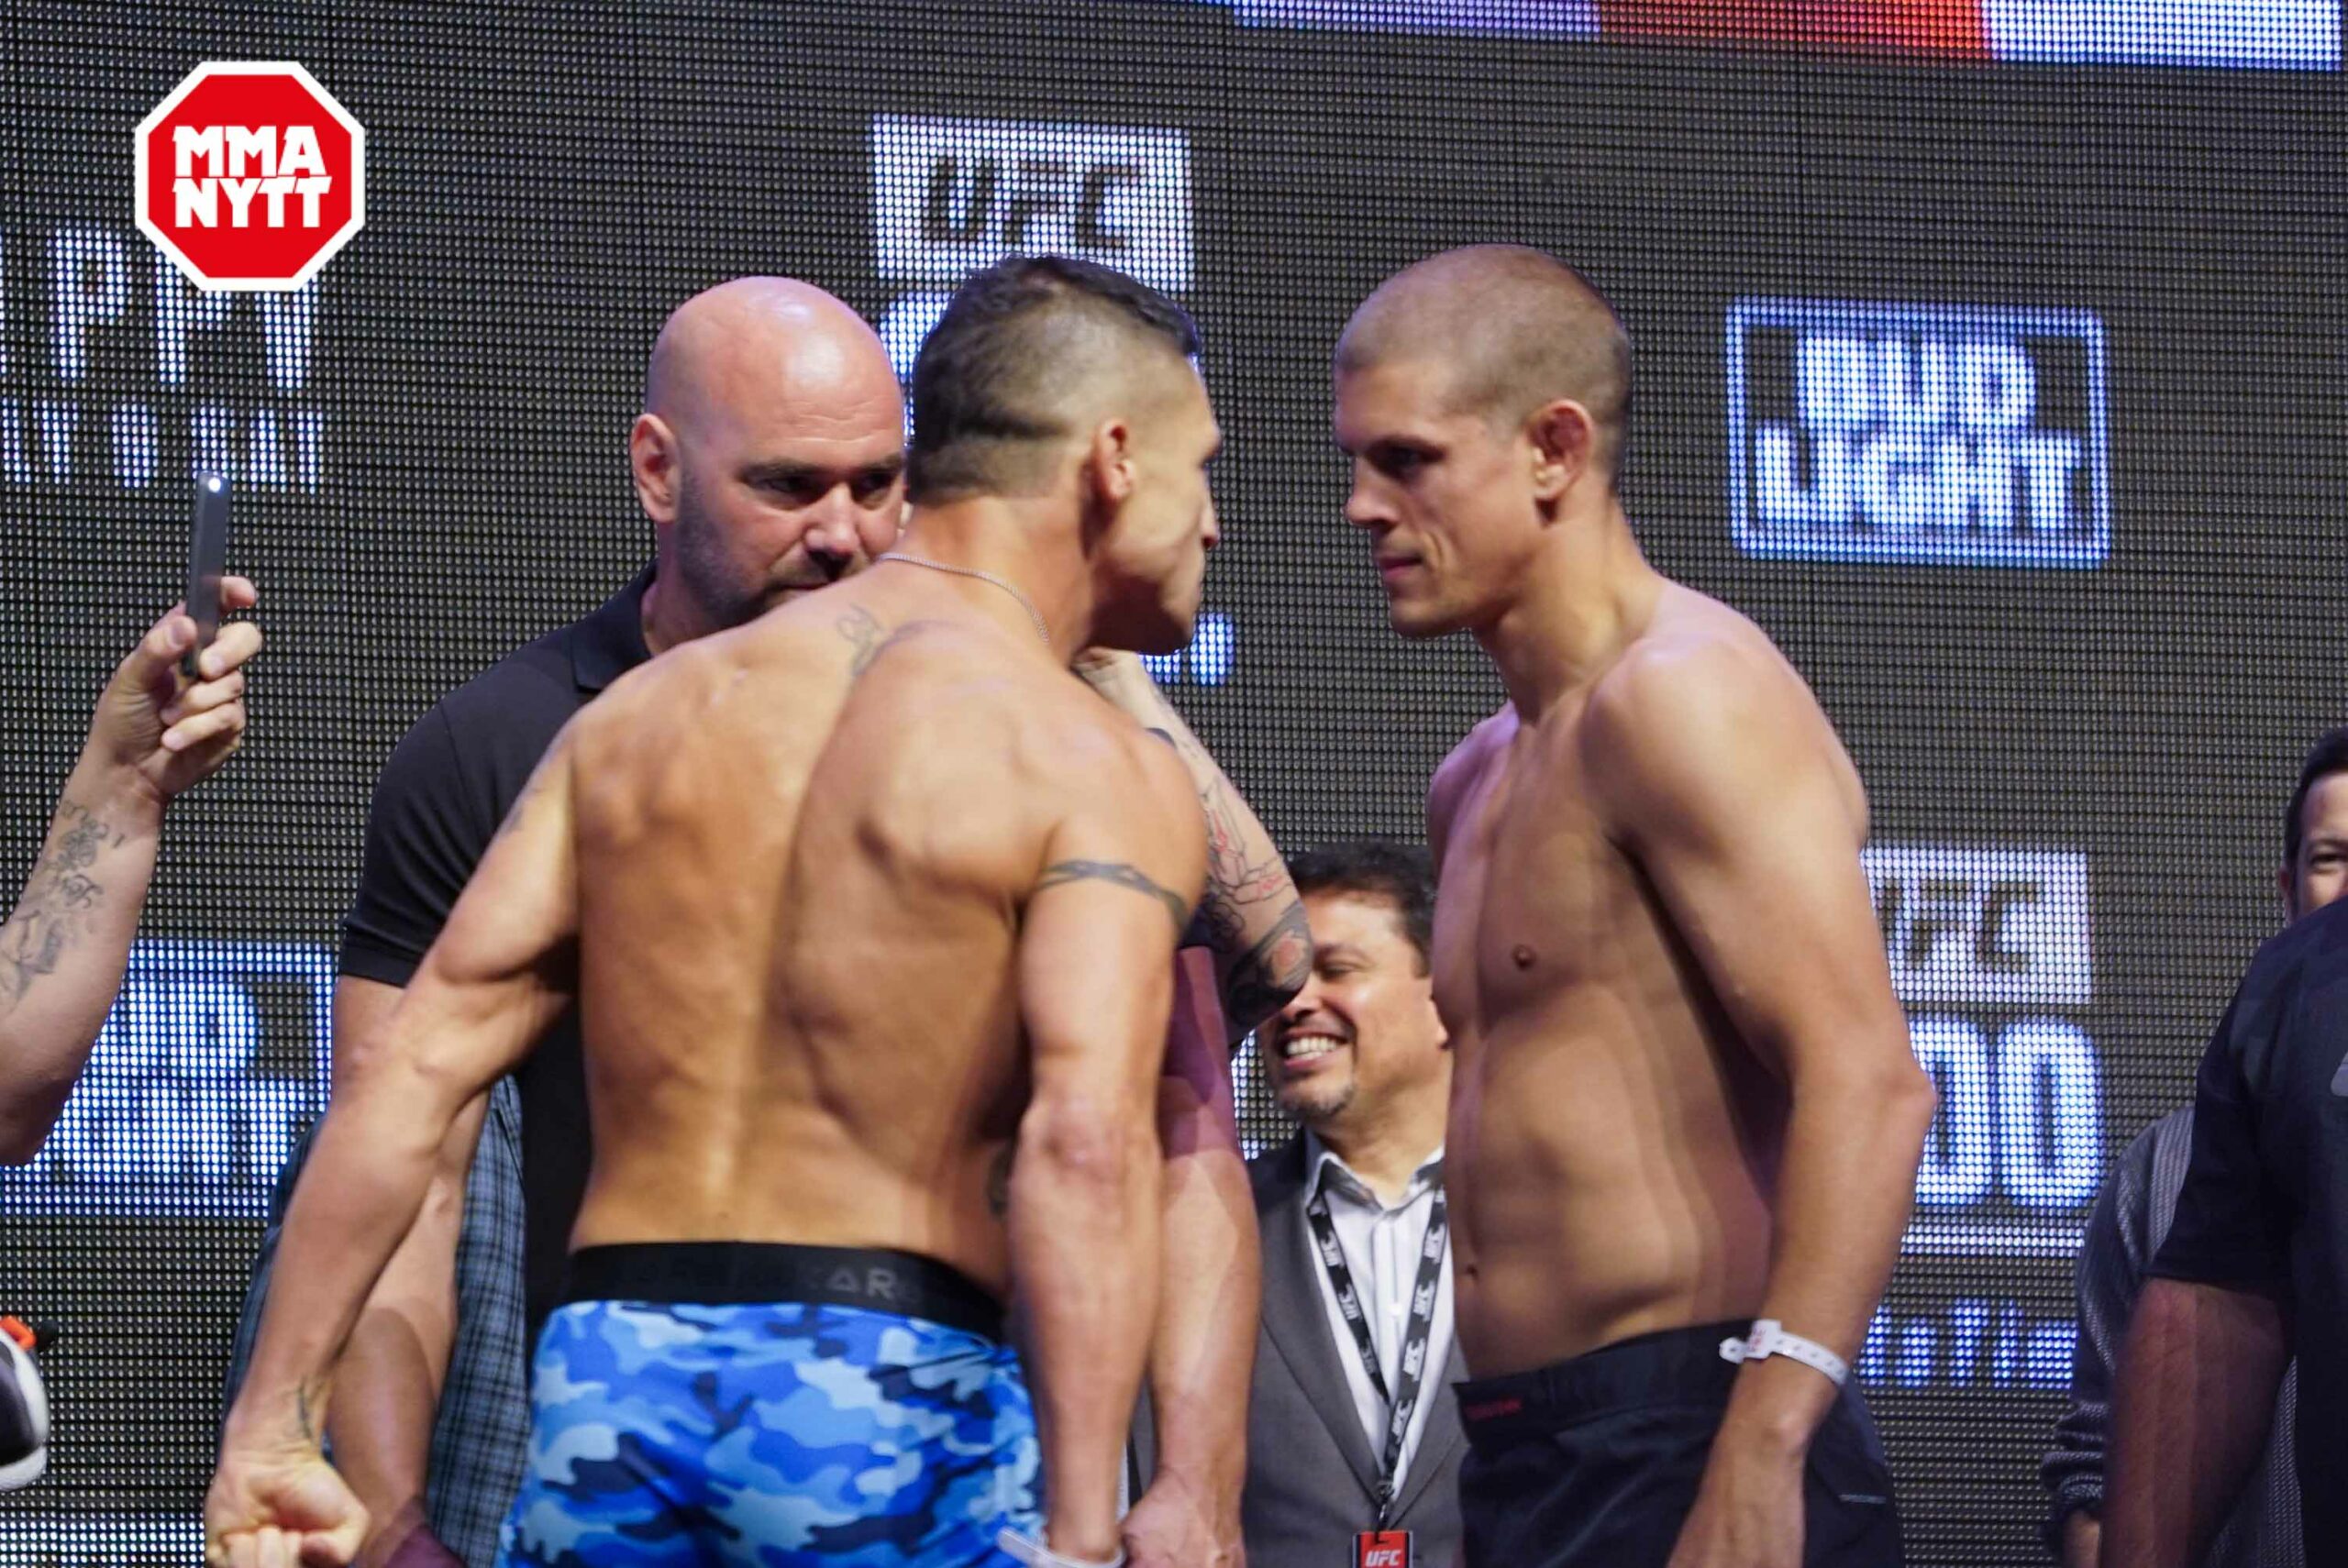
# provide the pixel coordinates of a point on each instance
(250, 176)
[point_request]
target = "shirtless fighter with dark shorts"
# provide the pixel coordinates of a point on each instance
(1685, 1121)
(856, 899)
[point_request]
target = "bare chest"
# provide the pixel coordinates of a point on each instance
(1536, 900)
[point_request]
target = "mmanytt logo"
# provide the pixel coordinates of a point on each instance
(1942, 434)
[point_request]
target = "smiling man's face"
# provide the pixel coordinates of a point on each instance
(1364, 1028)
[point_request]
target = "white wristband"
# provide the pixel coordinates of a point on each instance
(1768, 1339)
(1036, 1554)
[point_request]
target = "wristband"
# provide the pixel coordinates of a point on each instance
(1036, 1554)
(1769, 1339)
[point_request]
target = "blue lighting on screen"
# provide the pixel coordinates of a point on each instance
(1984, 1343)
(213, 1058)
(1208, 661)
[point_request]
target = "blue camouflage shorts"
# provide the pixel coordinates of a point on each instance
(788, 1434)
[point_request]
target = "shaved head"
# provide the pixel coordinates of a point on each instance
(771, 451)
(1513, 328)
(763, 338)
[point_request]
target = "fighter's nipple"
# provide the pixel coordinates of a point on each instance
(1520, 955)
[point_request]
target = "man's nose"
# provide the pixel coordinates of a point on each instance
(832, 536)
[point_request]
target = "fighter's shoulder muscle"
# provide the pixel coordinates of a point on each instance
(1695, 716)
(1106, 760)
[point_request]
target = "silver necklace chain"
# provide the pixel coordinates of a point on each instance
(1024, 602)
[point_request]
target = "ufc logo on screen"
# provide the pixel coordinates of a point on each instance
(950, 196)
(2001, 927)
(1990, 953)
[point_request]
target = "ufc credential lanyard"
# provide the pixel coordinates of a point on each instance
(1404, 1399)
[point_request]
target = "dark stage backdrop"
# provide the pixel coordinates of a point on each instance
(1994, 367)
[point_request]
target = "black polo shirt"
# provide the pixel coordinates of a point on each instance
(438, 804)
(2266, 1201)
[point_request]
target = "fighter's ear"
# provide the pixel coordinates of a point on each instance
(1109, 468)
(653, 461)
(1564, 438)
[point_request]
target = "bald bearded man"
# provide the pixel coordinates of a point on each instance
(1685, 1121)
(857, 900)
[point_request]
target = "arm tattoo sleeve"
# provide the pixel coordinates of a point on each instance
(59, 898)
(1261, 981)
(1258, 980)
(1117, 873)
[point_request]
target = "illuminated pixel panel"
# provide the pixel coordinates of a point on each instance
(1925, 434)
(2275, 33)
(1993, 395)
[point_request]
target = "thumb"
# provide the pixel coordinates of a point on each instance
(334, 1547)
(168, 638)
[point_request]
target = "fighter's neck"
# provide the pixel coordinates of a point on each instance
(1387, 1152)
(1588, 595)
(1006, 541)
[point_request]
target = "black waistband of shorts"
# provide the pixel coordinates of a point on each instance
(1669, 1367)
(751, 1273)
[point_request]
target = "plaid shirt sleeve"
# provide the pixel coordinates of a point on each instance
(481, 1438)
(480, 1441)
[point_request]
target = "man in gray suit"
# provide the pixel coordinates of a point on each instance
(1352, 1428)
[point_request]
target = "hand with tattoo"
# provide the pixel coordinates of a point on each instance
(63, 945)
(275, 1501)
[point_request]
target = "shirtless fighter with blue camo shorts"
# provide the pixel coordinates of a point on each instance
(856, 900)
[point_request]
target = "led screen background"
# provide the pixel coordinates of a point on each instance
(2077, 768)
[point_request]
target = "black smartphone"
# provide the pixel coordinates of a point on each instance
(208, 558)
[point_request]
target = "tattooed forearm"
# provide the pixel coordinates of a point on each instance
(1230, 872)
(307, 1398)
(59, 903)
(1217, 924)
(1117, 873)
(1248, 913)
(1261, 980)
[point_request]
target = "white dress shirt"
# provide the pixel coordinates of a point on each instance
(1381, 1245)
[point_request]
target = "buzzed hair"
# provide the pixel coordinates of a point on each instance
(1518, 328)
(1025, 350)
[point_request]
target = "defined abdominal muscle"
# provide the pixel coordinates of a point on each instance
(1592, 1203)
